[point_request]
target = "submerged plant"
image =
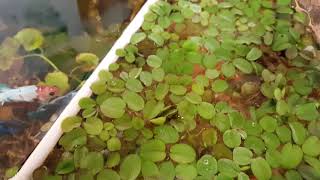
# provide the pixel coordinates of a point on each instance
(226, 90)
(32, 42)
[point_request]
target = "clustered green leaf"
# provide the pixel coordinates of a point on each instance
(224, 90)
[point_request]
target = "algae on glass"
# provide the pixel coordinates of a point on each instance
(205, 90)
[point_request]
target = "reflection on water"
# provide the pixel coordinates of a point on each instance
(69, 28)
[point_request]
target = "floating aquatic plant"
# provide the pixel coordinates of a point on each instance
(230, 91)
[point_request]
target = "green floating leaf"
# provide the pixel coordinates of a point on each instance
(134, 101)
(228, 70)
(93, 126)
(138, 37)
(146, 78)
(243, 176)
(158, 121)
(186, 171)
(113, 159)
(161, 91)
(87, 102)
(154, 61)
(291, 156)
(134, 85)
(70, 123)
(114, 144)
(228, 168)
(65, 166)
(178, 89)
(108, 174)
(182, 153)
(30, 38)
(261, 169)
(130, 167)
(242, 155)
(74, 138)
(254, 54)
(98, 87)
(207, 166)
(88, 61)
(167, 170)
(268, 123)
(158, 74)
(93, 162)
(299, 133)
(149, 169)
(311, 146)
(166, 133)
(206, 110)
(283, 133)
(243, 65)
(219, 86)
(156, 38)
(113, 107)
(307, 112)
(58, 79)
(152, 109)
(231, 138)
(153, 150)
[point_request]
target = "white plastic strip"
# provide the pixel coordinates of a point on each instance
(46, 145)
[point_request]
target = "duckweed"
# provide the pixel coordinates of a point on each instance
(226, 90)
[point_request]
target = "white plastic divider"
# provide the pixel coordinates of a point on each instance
(49, 141)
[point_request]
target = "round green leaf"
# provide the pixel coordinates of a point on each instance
(166, 133)
(182, 153)
(88, 61)
(134, 85)
(108, 174)
(206, 110)
(228, 168)
(299, 133)
(154, 61)
(307, 112)
(134, 101)
(114, 144)
(153, 150)
(207, 166)
(93, 126)
(242, 155)
(93, 162)
(65, 166)
(219, 86)
(113, 107)
(149, 169)
(268, 123)
(254, 54)
(186, 171)
(291, 156)
(311, 146)
(70, 123)
(167, 170)
(261, 169)
(30, 38)
(138, 37)
(58, 79)
(243, 65)
(130, 167)
(231, 138)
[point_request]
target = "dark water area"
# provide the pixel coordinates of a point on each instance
(56, 15)
(69, 28)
